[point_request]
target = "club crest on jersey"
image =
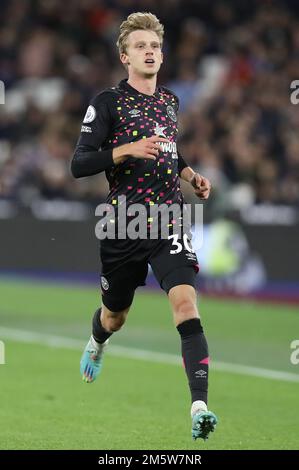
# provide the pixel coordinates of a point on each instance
(90, 114)
(104, 283)
(171, 113)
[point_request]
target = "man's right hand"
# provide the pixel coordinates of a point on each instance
(144, 148)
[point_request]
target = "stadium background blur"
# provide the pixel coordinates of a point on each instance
(232, 64)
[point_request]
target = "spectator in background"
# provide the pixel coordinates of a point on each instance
(231, 65)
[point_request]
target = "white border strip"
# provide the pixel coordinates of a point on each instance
(53, 341)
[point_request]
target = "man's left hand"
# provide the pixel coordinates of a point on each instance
(201, 185)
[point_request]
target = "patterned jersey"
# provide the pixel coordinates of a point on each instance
(120, 115)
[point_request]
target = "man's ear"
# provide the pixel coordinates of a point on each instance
(162, 57)
(124, 59)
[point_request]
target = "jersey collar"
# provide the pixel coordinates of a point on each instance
(125, 85)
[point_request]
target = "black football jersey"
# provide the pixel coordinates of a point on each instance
(120, 115)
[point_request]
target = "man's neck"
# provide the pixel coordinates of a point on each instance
(146, 86)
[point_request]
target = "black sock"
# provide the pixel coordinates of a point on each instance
(98, 332)
(196, 358)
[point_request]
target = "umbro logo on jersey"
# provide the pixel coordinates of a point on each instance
(135, 112)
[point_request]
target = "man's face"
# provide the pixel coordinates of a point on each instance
(143, 55)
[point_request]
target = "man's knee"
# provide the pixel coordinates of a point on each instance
(113, 321)
(183, 302)
(185, 307)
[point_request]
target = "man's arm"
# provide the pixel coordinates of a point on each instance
(89, 159)
(182, 165)
(201, 185)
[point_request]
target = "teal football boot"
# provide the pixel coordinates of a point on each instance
(92, 360)
(203, 422)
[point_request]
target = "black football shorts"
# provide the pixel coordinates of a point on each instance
(125, 267)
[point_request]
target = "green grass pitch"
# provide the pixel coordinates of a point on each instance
(136, 403)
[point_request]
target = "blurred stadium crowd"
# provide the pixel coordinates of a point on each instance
(230, 62)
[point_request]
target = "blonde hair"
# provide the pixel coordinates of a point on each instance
(135, 21)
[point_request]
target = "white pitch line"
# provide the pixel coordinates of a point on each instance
(54, 341)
